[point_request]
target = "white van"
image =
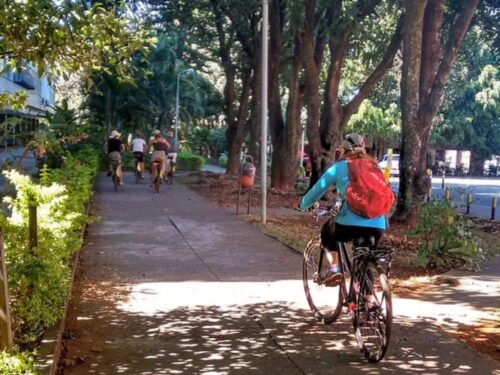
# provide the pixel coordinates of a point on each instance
(394, 164)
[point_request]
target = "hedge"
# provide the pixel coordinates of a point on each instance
(39, 278)
(189, 162)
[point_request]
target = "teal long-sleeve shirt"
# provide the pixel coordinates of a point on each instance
(338, 175)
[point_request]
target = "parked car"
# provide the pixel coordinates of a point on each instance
(394, 164)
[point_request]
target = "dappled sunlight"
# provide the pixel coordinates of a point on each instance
(258, 327)
(150, 298)
(183, 296)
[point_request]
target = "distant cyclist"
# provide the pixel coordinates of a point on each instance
(347, 225)
(172, 150)
(139, 148)
(160, 147)
(114, 148)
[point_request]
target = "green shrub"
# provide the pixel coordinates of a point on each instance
(447, 238)
(39, 278)
(14, 363)
(223, 161)
(189, 162)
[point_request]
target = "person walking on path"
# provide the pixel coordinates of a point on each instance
(114, 148)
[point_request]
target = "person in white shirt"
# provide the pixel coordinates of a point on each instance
(139, 147)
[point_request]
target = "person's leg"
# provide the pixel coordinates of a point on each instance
(329, 240)
(119, 169)
(173, 156)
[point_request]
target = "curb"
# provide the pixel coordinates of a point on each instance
(47, 358)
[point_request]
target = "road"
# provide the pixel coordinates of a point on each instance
(483, 190)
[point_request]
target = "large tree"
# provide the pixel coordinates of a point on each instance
(430, 47)
(336, 32)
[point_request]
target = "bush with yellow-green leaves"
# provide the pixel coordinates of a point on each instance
(39, 277)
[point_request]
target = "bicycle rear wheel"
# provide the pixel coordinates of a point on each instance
(116, 181)
(137, 171)
(325, 301)
(157, 177)
(115, 178)
(373, 314)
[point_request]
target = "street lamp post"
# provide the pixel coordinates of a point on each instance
(263, 151)
(186, 71)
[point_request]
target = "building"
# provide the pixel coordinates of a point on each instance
(41, 98)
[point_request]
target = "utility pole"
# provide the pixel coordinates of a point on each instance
(263, 153)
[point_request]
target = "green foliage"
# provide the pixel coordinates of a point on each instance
(447, 238)
(222, 161)
(16, 363)
(66, 36)
(38, 278)
(377, 124)
(15, 101)
(190, 162)
(471, 108)
(147, 100)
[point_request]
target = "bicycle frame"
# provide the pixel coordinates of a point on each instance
(358, 267)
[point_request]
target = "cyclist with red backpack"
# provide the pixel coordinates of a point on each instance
(366, 196)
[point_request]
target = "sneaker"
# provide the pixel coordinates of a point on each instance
(333, 275)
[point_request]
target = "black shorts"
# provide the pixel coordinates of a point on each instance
(332, 232)
(139, 156)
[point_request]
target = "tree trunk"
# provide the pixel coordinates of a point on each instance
(325, 133)
(312, 47)
(284, 134)
(286, 141)
(476, 165)
(238, 127)
(410, 168)
(422, 87)
(236, 112)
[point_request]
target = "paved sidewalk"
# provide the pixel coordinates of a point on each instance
(171, 284)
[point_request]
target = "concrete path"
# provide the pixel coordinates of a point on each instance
(171, 284)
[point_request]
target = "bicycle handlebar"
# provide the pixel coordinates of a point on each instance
(322, 211)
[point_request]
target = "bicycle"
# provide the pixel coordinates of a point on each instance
(363, 290)
(114, 174)
(157, 175)
(170, 174)
(137, 170)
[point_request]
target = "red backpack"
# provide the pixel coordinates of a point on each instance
(368, 193)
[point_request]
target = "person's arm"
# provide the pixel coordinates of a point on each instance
(319, 188)
(122, 147)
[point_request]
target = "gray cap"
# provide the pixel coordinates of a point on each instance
(353, 142)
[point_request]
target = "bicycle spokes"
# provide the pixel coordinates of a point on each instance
(325, 301)
(373, 314)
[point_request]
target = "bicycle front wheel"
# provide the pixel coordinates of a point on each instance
(325, 301)
(373, 314)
